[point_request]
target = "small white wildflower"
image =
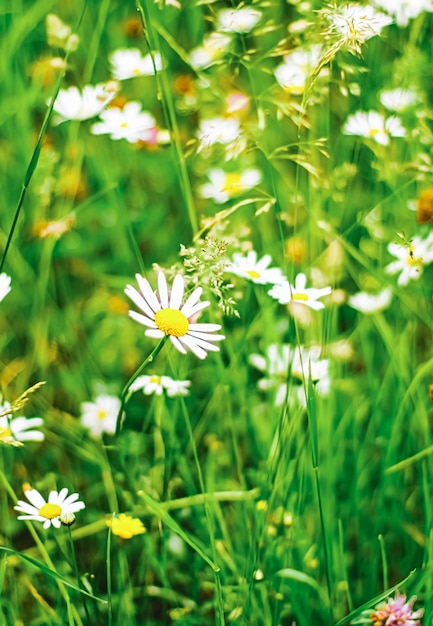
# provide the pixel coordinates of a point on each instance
(130, 123)
(212, 49)
(410, 259)
(218, 130)
(299, 294)
(100, 416)
(129, 63)
(297, 66)
(154, 384)
(19, 429)
(240, 20)
(73, 104)
(371, 303)
(257, 271)
(404, 10)
(355, 23)
(373, 125)
(223, 185)
(399, 99)
(51, 512)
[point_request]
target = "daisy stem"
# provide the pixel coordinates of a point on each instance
(125, 395)
(77, 575)
(169, 110)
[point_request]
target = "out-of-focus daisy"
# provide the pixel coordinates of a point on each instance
(373, 125)
(73, 104)
(255, 270)
(355, 23)
(240, 20)
(223, 185)
(129, 63)
(212, 49)
(411, 258)
(218, 130)
(60, 508)
(130, 123)
(404, 10)
(298, 293)
(100, 416)
(286, 364)
(125, 526)
(154, 384)
(371, 303)
(399, 99)
(5, 285)
(167, 315)
(297, 66)
(14, 430)
(393, 612)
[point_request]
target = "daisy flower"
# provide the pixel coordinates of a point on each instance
(371, 303)
(212, 49)
(154, 384)
(298, 293)
(5, 285)
(73, 104)
(128, 63)
(60, 508)
(395, 612)
(356, 23)
(166, 315)
(257, 271)
(223, 185)
(130, 123)
(399, 99)
(373, 125)
(297, 66)
(15, 430)
(100, 416)
(125, 526)
(410, 259)
(218, 130)
(238, 20)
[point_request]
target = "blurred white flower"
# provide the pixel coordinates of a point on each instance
(373, 125)
(223, 185)
(154, 384)
(291, 365)
(14, 430)
(371, 303)
(297, 66)
(410, 259)
(130, 123)
(355, 23)
(129, 62)
(73, 104)
(299, 294)
(212, 49)
(399, 99)
(222, 130)
(257, 271)
(240, 20)
(5, 285)
(59, 507)
(60, 35)
(404, 10)
(100, 416)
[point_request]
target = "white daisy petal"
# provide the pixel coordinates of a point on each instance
(147, 292)
(34, 497)
(177, 344)
(141, 319)
(138, 299)
(195, 349)
(193, 310)
(155, 334)
(204, 327)
(162, 290)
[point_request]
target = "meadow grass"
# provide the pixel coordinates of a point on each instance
(268, 494)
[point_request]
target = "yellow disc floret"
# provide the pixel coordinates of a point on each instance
(300, 297)
(253, 274)
(50, 511)
(172, 322)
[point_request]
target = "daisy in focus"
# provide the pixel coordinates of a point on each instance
(154, 384)
(125, 526)
(59, 509)
(240, 20)
(299, 294)
(100, 416)
(73, 104)
(223, 185)
(13, 431)
(129, 63)
(411, 258)
(291, 365)
(130, 123)
(373, 125)
(5, 285)
(257, 271)
(355, 23)
(167, 315)
(371, 303)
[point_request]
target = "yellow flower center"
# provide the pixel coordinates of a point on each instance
(101, 414)
(412, 260)
(300, 297)
(50, 511)
(232, 183)
(5, 433)
(253, 274)
(155, 379)
(373, 132)
(172, 322)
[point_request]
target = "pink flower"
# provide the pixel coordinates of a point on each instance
(397, 612)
